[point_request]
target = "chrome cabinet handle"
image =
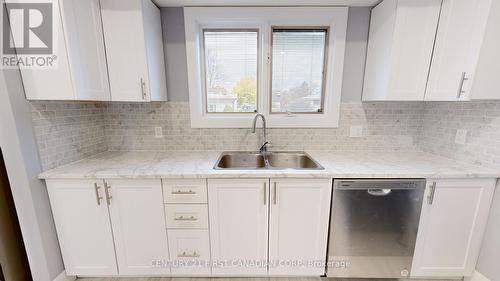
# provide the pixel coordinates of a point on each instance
(186, 255)
(275, 199)
(143, 89)
(182, 218)
(430, 197)
(108, 194)
(265, 193)
(183, 192)
(461, 85)
(97, 195)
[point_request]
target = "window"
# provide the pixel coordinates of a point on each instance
(230, 70)
(285, 64)
(298, 68)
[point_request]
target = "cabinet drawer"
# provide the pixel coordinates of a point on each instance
(185, 191)
(186, 215)
(189, 252)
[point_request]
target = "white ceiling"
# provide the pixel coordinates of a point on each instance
(181, 3)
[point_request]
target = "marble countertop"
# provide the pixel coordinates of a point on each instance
(199, 164)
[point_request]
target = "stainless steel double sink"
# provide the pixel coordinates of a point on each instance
(246, 160)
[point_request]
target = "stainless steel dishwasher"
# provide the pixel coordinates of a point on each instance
(374, 227)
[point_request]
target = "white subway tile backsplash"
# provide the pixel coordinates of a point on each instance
(481, 119)
(69, 131)
(389, 126)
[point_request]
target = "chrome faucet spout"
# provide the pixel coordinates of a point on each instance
(265, 143)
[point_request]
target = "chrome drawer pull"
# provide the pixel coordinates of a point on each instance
(182, 218)
(186, 255)
(183, 192)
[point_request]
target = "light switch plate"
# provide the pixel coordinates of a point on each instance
(461, 136)
(158, 132)
(356, 131)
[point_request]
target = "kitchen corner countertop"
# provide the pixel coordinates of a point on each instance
(199, 164)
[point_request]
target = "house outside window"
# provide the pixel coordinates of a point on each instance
(285, 63)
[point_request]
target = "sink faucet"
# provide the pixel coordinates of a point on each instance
(265, 143)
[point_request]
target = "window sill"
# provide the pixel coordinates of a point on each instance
(232, 121)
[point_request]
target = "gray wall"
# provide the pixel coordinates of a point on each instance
(22, 162)
(175, 53)
(355, 54)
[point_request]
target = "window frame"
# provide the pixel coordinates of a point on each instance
(204, 68)
(324, 71)
(197, 19)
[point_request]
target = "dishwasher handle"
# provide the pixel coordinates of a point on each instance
(379, 192)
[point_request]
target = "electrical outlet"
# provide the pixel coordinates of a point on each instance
(158, 132)
(461, 136)
(356, 131)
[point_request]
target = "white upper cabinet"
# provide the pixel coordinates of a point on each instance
(433, 50)
(452, 223)
(399, 49)
(81, 72)
(298, 229)
(459, 39)
(134, 50)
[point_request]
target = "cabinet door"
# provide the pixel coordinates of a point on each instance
(189, 251)
(52, 83)
(125, 49)
(85, 44)
(300, 211)
(136, 209)
(397, 64)
(458, 41)
(452, 222)
(238, 210)
(83, 227)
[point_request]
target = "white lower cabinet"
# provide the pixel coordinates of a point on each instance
(452, 223)
(186, 213)
(136, 211)
(96, 219)
(83, 227)
(298, 230)
(294, 211)
(250, 227)
(189, 252)
(238, 211)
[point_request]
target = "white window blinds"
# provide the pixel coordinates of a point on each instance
(298, 66)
